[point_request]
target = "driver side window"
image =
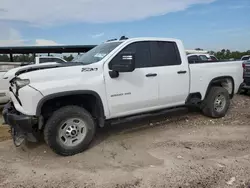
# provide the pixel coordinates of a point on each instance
(141, 50)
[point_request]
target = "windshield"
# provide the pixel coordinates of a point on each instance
(97, 53)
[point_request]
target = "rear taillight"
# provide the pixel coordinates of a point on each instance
(244, 69)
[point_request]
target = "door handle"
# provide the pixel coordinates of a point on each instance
(151, 75)
(182, 72)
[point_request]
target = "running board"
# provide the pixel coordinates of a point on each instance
(165, 112)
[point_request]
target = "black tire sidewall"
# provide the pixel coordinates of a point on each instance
(214, 94)
(54, 123)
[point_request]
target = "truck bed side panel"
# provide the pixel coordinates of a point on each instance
(202, 74)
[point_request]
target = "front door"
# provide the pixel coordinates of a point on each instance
(132, 92)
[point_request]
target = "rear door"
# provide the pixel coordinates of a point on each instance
(172, 73)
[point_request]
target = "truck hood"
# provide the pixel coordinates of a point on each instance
(61, 74)
(11, 73)
(63, 78)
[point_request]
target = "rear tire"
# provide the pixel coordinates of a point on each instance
(69, 130)
(216, 103)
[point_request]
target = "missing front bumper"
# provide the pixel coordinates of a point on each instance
(22, 126)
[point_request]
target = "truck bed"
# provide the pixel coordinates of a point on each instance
(203, 73)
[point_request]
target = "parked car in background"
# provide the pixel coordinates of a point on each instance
(199, 58)
(203, 55)
(8, 70)
(46, 59)
(245, 86)
(245, 57)
(212, 57)
(5, 67)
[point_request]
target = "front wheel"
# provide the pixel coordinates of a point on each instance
(69, 130)
(216, 103)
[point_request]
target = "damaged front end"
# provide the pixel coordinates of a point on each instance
(23, 127)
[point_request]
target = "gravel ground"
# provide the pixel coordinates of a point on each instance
(188, 150)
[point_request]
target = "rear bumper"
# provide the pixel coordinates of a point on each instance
(245, 84)
(20, 122)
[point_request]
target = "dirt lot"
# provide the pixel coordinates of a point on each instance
(4, 134)
(188, 150)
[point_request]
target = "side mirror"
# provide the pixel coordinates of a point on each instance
(126, 63)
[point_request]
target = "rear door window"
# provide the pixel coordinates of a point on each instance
(164, 53)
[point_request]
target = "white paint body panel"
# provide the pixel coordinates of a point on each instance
(139, 93)
(174, 87)
(203, 73)
(56, 80)
(29, 102)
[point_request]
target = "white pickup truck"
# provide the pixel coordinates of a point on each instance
(115, 80)
(8, 70)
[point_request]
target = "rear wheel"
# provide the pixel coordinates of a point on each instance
(69, 130)
(216, 103)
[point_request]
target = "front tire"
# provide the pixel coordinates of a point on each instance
(216, 103)
(69, 130)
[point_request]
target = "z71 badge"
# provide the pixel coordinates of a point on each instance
(89, 69)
